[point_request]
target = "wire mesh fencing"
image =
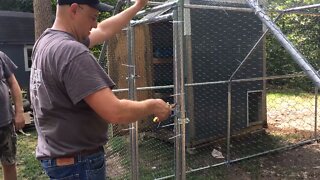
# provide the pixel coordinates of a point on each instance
(248, 97)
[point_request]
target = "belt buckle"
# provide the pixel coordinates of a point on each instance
(64, 161)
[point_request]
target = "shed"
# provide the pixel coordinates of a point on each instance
(217, 40)
(16, 40)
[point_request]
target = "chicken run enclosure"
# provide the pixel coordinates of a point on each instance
(244, 86)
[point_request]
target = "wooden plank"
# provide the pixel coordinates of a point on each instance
(117, 54)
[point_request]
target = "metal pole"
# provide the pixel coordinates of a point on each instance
(230, 90)
(176, 45)
(229, 120)
(132, 95)
(223, 8)
(160, 18)
(157, 8)
(214, 82)
(316, 113)
(301, 8)
(182, 90)
(180, 120)
(252, 49)
(295, 54)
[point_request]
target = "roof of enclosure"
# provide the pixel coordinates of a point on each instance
(211, 2)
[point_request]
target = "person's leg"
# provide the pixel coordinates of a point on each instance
(8, 152)
(9, 172)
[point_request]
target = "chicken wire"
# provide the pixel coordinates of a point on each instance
(241, 102)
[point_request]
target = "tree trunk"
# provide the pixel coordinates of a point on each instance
(42, 16)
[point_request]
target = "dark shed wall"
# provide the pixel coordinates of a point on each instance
(220, 41)
(16, 27)
(16, 54)
(17, 32)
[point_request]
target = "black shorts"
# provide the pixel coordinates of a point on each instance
(8, 145)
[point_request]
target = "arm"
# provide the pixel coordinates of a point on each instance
(116, 111)
(109, 27)
(17, 99)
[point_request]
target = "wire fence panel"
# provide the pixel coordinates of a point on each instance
(118, 147)
(244, 75)
(249, 105)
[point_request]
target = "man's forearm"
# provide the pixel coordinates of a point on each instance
(109, 27)
(16, 94)
(120, 20)
(17, 99)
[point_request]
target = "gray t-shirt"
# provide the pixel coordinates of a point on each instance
(63, 73)
(7, 67)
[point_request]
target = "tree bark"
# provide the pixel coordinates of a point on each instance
(42, 16)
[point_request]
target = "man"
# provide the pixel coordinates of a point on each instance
(7, 125)
(71, 94)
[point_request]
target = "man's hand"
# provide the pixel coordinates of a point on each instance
(141, 3)
(19, 121)
(162, 110)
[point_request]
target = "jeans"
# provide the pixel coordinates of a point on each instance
(84, 168)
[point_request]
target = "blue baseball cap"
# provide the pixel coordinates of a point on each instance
(92, 3)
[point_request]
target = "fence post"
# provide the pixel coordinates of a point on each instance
(316, 114)
(180, 120)
(132, 95)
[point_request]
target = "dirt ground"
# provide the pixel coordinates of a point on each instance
(299, 163)
(302, 162)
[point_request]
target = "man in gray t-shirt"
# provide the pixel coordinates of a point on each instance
(71, 94)
(9, 119)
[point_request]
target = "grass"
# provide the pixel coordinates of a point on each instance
(293, 101)
(28, 167)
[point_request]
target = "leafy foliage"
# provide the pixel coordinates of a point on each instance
(302, 29)
(97, 49)
(17, 5)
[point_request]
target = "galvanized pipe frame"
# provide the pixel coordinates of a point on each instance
(230, 88)
(229, 112)
(152, 3)
(213, 82)
(243, 9)
(296, 75)
(223, 8)
(157, 8)
(301, 8)
(298, 10)
(180, 119)
(251, 51)
(180, 149)
(160, 18)
(295, 54)
(316, 113)
(133, 127)
(132, 95)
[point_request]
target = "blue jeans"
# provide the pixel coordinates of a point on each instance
(84, 168)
